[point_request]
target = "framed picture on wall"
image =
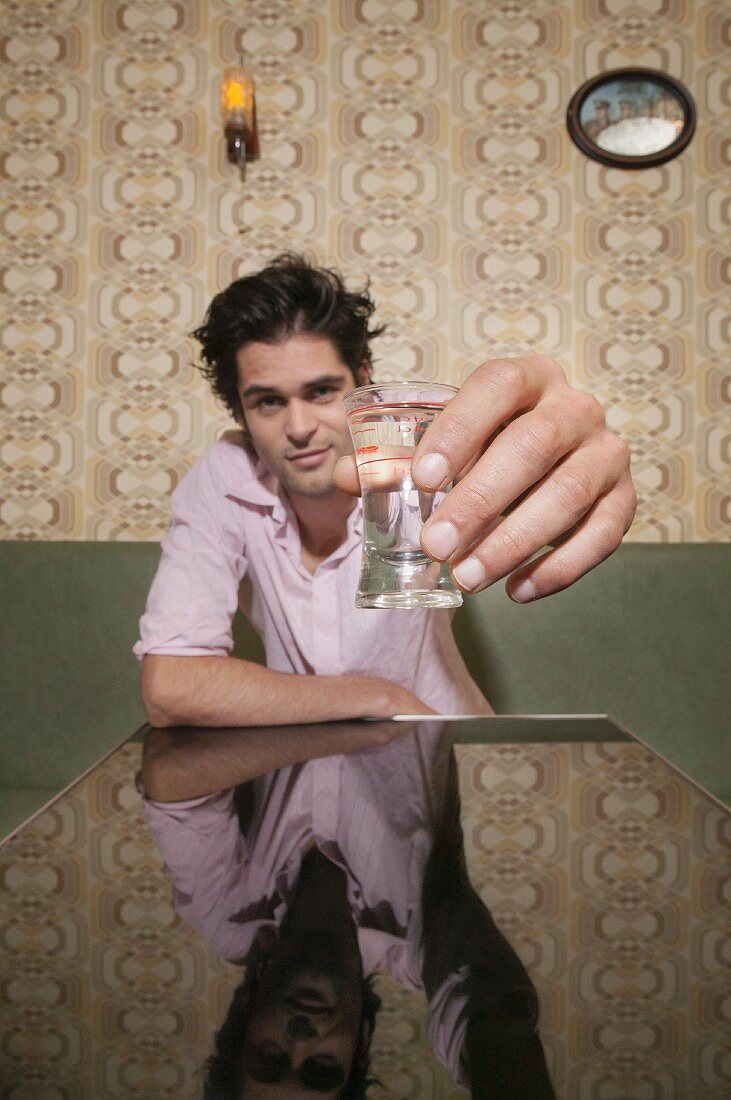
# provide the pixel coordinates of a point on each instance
(631, 118)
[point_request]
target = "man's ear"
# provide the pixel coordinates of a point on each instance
(241, 421)
(363, 1052)
(363, 375)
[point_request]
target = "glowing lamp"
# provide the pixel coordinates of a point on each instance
(238, 115)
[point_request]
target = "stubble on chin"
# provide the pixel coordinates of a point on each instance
(316, 485)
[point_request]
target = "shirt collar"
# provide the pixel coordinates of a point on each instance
(248, 481)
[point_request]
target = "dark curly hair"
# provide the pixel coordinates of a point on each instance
(225, 1069)
(289, 297)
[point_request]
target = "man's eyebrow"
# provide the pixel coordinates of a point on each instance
(323, 380)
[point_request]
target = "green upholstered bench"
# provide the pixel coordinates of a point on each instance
(643, 638)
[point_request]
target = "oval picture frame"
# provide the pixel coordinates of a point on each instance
(631, 118)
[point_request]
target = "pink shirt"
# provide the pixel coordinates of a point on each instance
(234, 541)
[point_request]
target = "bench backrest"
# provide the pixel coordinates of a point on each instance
(644, 638)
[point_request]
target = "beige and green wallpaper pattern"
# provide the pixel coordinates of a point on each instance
(418, 142)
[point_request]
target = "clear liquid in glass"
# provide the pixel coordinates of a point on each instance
(385, 438)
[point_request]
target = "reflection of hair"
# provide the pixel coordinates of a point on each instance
(225, 1067)
(290, 297)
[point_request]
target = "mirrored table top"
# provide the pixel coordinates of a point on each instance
(131, 915)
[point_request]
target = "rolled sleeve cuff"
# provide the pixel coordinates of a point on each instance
(141, 650)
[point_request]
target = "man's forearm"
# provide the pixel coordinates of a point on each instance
(179, 764)
(226, 691)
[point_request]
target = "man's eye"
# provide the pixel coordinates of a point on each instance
(268, 402)
(322, 393)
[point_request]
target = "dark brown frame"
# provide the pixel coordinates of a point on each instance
(616, 160)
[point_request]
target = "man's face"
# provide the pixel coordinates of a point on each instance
(303, 1033)
(291, 394)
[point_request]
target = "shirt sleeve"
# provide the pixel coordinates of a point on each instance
(205, 856)
(194, 595)
(446, 1025)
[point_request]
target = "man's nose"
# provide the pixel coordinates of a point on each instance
(301, 422)
(300, 1027)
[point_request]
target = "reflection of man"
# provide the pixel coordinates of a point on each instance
(302, 1020)
(314, 875)
(266, 518)
(248, 875)
(600, 121)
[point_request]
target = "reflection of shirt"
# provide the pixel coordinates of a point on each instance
(373, 813)
(233, 538)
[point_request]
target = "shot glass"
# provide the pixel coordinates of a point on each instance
(386, 424)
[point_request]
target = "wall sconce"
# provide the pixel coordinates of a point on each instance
(238, 114)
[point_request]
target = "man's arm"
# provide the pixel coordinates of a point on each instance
(519, 442)
(189, 763)
(227, 691)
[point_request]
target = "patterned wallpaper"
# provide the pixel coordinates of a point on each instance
(421, 143)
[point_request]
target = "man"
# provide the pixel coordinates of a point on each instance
(268, 517)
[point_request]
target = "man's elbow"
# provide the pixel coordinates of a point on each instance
(161, 763)
(159, 699)
(156, 716)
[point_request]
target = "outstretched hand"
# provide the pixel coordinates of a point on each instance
(533, 465)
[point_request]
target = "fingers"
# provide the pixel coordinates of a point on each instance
(387, 468)
(345, 476)
(596, 537)
(387, 471)
(493, 394)
(590, 490)
(505, 551)
(521, 455)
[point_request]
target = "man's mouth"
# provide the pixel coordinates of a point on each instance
(308, 459)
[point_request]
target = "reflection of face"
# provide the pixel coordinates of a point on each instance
(290, 395)
(302, 1033)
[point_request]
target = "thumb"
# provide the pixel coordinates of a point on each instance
(345, 476)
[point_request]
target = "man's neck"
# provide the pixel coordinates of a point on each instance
(323, 523)
(318, 925)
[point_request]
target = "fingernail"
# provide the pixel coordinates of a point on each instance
(469, 573)
(440, 540)
(431, 470)
(523, 592)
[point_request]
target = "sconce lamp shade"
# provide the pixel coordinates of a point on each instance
(238, 114)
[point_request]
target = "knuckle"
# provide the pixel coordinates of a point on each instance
(509, 376)
(609, 531)
(540, 437)
(617, 455)
(623, 452)
(589, 409)
(631, 508)
(514, 542)
(475, 499)
(573, 490)
(550, 367)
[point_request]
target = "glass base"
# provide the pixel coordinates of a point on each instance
(423, 583)
(408, 600)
